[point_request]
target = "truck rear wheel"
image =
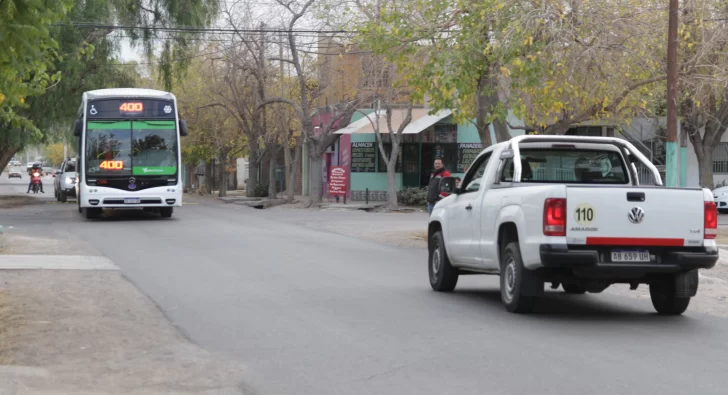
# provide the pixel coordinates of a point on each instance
(665, 298)
(518, 286)
(443, 276)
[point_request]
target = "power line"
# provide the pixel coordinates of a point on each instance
(181, 29)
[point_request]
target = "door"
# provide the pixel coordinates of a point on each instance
(411, 165)
(464, 216)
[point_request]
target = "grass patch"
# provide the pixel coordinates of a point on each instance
(14, 201)
(10, 326)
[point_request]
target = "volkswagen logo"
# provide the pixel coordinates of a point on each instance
(636, 215)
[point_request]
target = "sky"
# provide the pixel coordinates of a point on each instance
(127, 54)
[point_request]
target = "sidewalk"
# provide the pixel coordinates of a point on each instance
(75, 325)
(328, 204)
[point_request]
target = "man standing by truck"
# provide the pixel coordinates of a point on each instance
(433, 188)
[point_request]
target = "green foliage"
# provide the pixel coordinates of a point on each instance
(26, 55)
(412, 196)
(260, 190)
(553, 66)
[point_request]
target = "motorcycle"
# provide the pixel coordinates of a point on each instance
(35, 181)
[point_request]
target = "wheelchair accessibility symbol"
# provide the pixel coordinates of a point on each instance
(93, 110)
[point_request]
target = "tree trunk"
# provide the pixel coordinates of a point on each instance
(392, 180)
(482, 110)
(223, 175)
(705, 167)
(291, 189)
(208, 177)
(6, 154)
(252, 167)
(315, 176)
(502, 133)
(273, 164)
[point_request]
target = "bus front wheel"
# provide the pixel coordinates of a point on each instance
(166, 212)
(91, 212)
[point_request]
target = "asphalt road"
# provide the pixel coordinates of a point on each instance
(311, 312)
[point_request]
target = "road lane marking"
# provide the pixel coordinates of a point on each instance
(55, 262)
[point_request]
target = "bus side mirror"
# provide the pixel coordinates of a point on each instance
(182, 127)
(77, 128)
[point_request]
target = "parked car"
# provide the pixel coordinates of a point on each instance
(570, 211)
(64, 183)
(720, 196)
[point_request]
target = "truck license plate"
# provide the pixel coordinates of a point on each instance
(630, 256)
(132, 200)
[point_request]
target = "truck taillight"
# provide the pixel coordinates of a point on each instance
(711, 220)
(554, 217)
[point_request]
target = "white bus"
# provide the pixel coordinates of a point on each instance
(128, 151)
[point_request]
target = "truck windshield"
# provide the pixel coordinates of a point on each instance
(577, 166)
(126, 148)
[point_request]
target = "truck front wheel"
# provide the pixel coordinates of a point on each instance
(518, 286)
(443, 276)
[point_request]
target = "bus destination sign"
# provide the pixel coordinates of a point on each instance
(130, 108)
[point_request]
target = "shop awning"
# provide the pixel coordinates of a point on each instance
(421, 120)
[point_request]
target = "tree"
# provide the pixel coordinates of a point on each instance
(703, 84)
(213, 132)
(388, 98)
(318, 142)
(26, 62)
(54, 154)
(553, 63)
(81, 55)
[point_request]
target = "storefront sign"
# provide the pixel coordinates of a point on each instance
(363, 157)
(467, 152)
(337, 181)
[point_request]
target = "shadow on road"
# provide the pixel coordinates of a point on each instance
(558, 306)
(130, 215)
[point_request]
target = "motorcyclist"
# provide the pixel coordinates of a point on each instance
(36, 168)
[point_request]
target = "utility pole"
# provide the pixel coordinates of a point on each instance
(671, 146)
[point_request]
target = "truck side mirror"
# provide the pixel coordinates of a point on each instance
(182, 127)
(447, 184)
(77, 128)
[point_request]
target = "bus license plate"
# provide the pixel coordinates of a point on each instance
(132, 200)
(630, 256)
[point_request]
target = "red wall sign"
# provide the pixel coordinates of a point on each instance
(337, 181)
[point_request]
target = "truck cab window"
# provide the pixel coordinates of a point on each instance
(474, 177)
(556, 165)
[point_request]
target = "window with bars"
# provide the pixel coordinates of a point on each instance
(720, 158)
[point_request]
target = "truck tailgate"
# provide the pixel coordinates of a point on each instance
(634, 216)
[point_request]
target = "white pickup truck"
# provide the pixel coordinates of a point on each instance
(570, 211)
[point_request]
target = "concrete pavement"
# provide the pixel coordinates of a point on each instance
(310, 311)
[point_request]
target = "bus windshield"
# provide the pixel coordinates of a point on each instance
(125, 148)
